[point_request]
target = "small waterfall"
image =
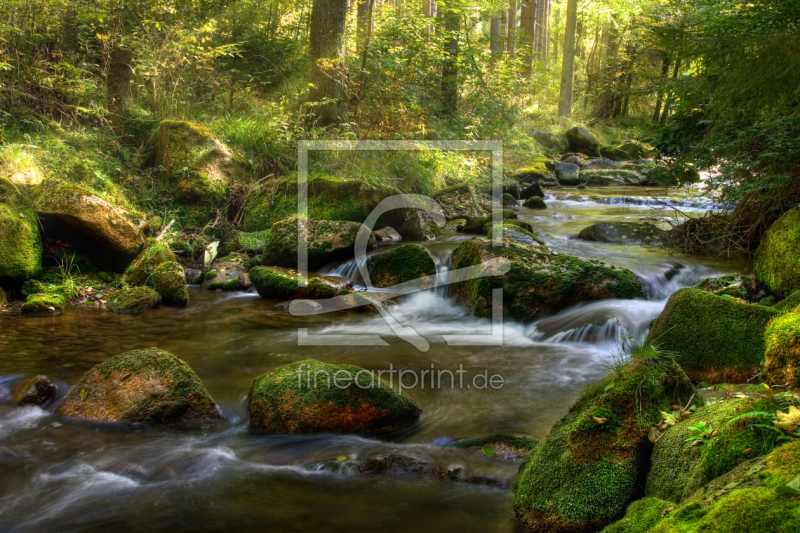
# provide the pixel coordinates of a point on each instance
(660, 283)
(639, 201)
(348, 269)
(444, 263)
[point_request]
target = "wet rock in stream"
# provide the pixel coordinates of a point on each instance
(37, 390)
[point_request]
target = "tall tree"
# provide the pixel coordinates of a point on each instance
(568, 60)
(512, 29)
(327, 45)
(451, 19)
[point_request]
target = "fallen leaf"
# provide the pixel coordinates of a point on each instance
(748, 451)
(600, 420)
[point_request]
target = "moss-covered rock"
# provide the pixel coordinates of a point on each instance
(582, 141)
(405, 263)
(641, 516)
(154, 254)
(284, 283)
(782, 357)
(501, 445)
(731, 285)
(329, 198)
(459, 200)
(196, 167)
(169, 281)
(420, 226)
(478, 225)
(623, 233)
(777, 260)
(551, 143)
(538, 282)
(593, 177)
(239, 241)
(20, 247)
(588, 469)
(224, 274)
(141, 386)
(535, 202)
(514, 232)
(716, 338)
(80, 210)
(42, 305)
(33, 286)
(327, 240)
(133, 300)
(308, 397)
(752, 497)
(680, 468)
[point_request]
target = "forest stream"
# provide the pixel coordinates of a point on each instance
(219, 476)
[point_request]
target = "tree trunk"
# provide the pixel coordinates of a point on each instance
(527, 29)
(118, 85)
(665, 59)
(607, 101)
(327, 42)
(512, 29)
(362, 21)
(495, 36)
(568, 60)
(451, 23)
(668, 104)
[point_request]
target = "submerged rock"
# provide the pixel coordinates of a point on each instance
(538, 282)
(623, 233)
(169, 281)
(133, 300)
(582, 141)
(327, 240)
(392, 463)
(308, 397)
(141, 386)
(405, 263)
(141, 268)
(80, 210)
(20, 247)
(501, 446)
(776, 262)
(420, 226)
(716, 338)
(588, 469)
(37, 390)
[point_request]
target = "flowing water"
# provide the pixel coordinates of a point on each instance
(58, 474)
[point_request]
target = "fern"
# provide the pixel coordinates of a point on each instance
(751, 414)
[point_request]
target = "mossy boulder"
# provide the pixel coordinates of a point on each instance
(329, 198)
(20, 247)
(537, 282)
(716, 338)
(284, 283)
(407, 262)
(588, 469)
(514, 232)
(420, 226)
(327, 240)
(759, 495)
(459, 200)
(37, 390)
(196, 167)
(224, 274)
(777, 260)
(78, 209)
(640, 516)
(141, 386)
(239, 241)
(133, 300)
(782, 357)
(508, 200)
(535, 202)
(582, 141)
(623, 233)
(43, 305)
(679, 468)
(548, 141)
(142, 267)
(314, 397)
(593, 177)
(636, 149)
(169, 281)
(478, 225)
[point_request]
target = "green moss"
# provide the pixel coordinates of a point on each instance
(514, 232)
(33, 286)
(782, 357)
(211, 274)
(155, 224)
(716, 338)
(310, 383)
(679, 469)
(640, 516)
(585, 473)
(133, 300)
(318, 289)
(44, 305)
(776, 263)
(328, 241)
(161, 363)
(20, 247)
(271, 284)
(404, 263)
(154, 254)
(169, 281)
(534, 202)
(230, 285)
(789, 304)
(477, 224)
(239, 241)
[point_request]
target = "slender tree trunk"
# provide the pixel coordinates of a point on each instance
(606, 102)
(451, 22)
(327, 45)
(512, 29)
(527, 29)
(665, 59)
(365, 50)
(568, 60)
(362, 21)
(495, 36)
(118, 85)
(668, 104)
